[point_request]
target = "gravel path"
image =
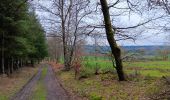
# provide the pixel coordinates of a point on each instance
(52, 85)
(54, 89)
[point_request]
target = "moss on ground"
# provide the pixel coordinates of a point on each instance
(40, 90)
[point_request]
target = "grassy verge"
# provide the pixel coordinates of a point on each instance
(10, 85)
(106, 87)
(144, 81)
(40, 91)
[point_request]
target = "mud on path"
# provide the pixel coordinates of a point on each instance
(54, 91)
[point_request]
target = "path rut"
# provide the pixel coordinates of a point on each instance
(54, 89)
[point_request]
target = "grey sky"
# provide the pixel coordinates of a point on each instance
(149, 36)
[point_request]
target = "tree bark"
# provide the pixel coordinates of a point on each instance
(66, 57)
(3, 64)
(112, 42)
(32, 62)
(20, 62)
(17, 64)
(12, 65)
(8, 64)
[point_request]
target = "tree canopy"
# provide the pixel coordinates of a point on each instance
(22, 36)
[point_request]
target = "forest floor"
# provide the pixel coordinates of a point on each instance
(10, 85)
(42, 86)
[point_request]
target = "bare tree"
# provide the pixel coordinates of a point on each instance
(120, 31)
(68, 21)
(55, 48)
(67, 17)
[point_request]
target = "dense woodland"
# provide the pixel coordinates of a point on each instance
(22, 36)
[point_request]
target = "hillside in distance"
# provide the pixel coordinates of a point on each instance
(149, 50)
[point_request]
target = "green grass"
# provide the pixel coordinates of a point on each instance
(154, 73)
(105, 87)
(151, 68)
(44, 72)
(149, 64)
(40, 91)
(3, 97)
(101, 65)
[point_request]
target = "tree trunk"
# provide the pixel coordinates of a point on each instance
(38, 61)
(3, 64)
(8, 64)
(112, 42)
(67, 67)
(32, 62)
(20, 63)
(12, 65)
(17, 64)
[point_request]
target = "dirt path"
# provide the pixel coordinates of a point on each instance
(26, 91)
(53, 88)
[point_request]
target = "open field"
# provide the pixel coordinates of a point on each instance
(145, 80)
(150, 68)
(147, 68)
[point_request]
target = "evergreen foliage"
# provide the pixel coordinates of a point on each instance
(22, 36)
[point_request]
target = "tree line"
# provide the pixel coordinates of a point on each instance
(22, 36)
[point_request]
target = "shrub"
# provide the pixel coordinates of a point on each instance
(96, 68)
(85, 72)
(108, 69)
(94, 96)
(107, 77)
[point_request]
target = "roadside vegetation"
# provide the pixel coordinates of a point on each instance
(144, 81)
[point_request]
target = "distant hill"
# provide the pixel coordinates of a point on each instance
(147, 49)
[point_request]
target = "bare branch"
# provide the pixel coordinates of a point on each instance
(114, 4)
(140, 24)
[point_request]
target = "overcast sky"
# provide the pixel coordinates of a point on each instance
(149, 37)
